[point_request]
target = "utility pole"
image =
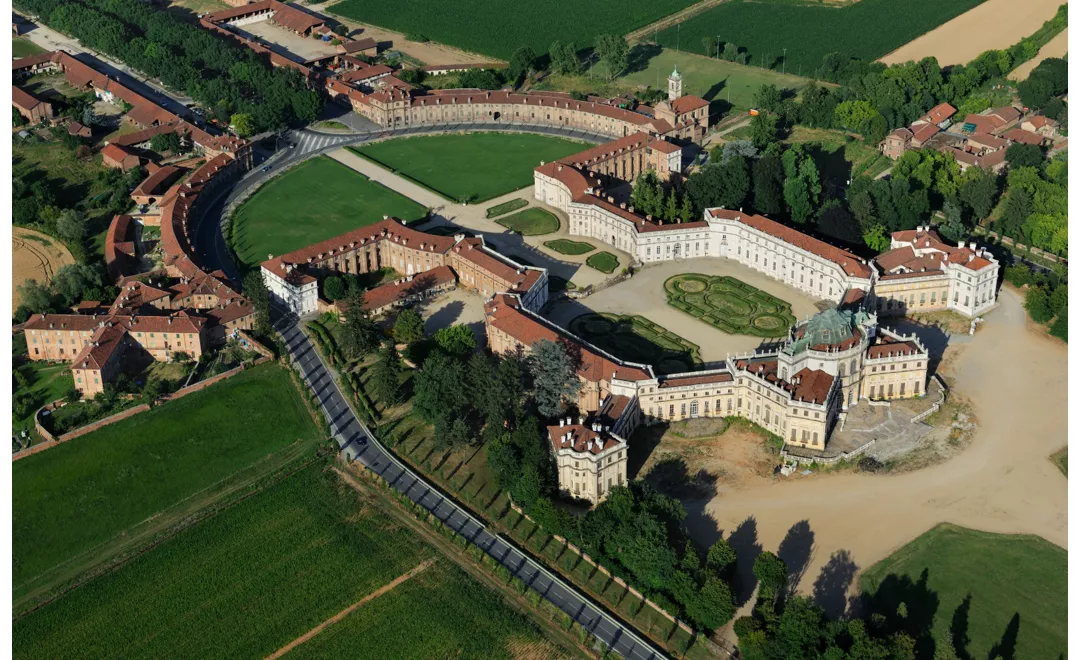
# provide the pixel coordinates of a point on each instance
(717, 46)
(678, 37)
(785, 61)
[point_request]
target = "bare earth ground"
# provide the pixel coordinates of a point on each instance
(428, 53)
(1015, 380)
(286, 42)
(1056, 47)
(993, 24)
(34, 259)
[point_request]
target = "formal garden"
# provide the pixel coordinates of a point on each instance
(531, 222)
(637, 339)
(566, 246)
(605, 262)
(729, 305)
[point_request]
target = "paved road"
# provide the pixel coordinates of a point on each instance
(357, 443)
(209, 242)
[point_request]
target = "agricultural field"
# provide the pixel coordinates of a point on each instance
(995, 24)
(35, 256)
(473, 167)
(637, 339)
(866, 29)
(81, 501)
(566, 246)
(727, 83)
(242, 583)
(317, 200)
(1008, 592)
(605, 262)
(461, 618)
(531, 222)
(491, 28)
(729, 305)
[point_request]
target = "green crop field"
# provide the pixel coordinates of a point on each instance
(565, 246)
(726, 83)
(242, 583)
(637, 339)
(473, 167)
(531, 222)
(495, 29)
(1010, 579)
(317, 200)
(729, 305)
(605, 262)
(867, 29)
(461, 619)
(79, 499)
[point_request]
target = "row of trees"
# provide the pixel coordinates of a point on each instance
(729, 52)
(1035, 209)
(223, 76)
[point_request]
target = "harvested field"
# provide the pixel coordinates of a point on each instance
(35, 256)
(993, 24)
(1057, 47)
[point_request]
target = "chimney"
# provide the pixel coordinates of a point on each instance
(560, 423)
(580, 421)
(622, 205)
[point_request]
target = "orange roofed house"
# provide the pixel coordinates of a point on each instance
(293, 278)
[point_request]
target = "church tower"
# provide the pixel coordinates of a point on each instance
(674, 85)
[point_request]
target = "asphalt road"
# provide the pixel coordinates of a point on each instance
(358, 444)
(209, 242)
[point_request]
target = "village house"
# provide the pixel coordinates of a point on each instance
(32, 108)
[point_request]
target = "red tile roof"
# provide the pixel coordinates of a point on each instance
(810, 385)
(580, 438)
(153, 184)
(392, 292)
(1022, 136)
(939, 113)
(924, 132)
(684, 380)
(886, 346)
(688, 103)
(23, 99)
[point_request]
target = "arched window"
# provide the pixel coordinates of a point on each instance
(854, 366)
(693, 408)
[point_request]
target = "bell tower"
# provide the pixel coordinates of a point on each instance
(674, 85)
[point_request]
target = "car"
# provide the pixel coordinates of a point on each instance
(266, 169)
(292, 145)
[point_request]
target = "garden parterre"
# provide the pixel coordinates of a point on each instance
(729, 305)
(637, 339)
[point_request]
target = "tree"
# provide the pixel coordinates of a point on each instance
(334, 288)
(797, 197)
(1037, 303)
(17, 119)
(255, 290)
(386, 378)
(876, 239)
(555, 380)
(71, 226)
(768, 99)
(731, 52)
(481, 79)
(614, 53)
(359, 334)
(35, 297)
(978, 190)
(408, 327)
(1024, 155)
(744, 148)
(952, 227)
(564, 59)
(768, 177)
(771, 572)
(836, 221)
(763, 129)
(721, 558)
(686, 210)
(165, 142)
(243, 123)
(671, 208)
(456, 340)
(439, 397)
(73, 280)
(411, 76)
(521, 63)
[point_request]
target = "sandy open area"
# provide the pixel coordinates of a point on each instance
(644, 294)
(287, 43)
(993, 24)
(1015, 377)
(1056, 47)
(34, 256)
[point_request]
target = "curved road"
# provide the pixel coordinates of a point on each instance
(357, 443)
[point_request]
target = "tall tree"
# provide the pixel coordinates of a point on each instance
(797, 197)
(978, 191)
(763, 129)
(255, 290)
(521, 63)
(768, 185)
(554, 374)
(439, 397)
(359, 334)
(457, 340)
(614, 53)
(386, 377)
(408, 327)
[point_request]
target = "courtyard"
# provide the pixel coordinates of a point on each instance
(644, 295)
(729, 305)
(636, 339)
(285, 42)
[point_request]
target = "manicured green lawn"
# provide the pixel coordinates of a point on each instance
(317, 200)
(1061, 459)
(85, 493)
(564, 246)
(242, 583)
(637, 339)
(1009, 578)
(531, 222)
(506, 207)
(462, 618)
(730, 305)
(604, 262)
(708, 77)
(866, 29)
(472, 167)
(23, 47)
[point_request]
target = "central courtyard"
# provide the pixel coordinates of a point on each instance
(729, 305)
(645, 295)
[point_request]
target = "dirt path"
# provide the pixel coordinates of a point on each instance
(664, 23)
(35, 256)
(1003, 482)
(405, 577)
(1056, 47)
(428, 52)
(993, 24)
